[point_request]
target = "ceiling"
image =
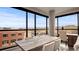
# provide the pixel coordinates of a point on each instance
(58, 10)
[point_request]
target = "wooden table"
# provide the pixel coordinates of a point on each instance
(34, 42)
(72, 39)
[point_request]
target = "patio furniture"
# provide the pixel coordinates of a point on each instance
(62, 35)
(49, 46)
(76, 45)
(72, 39)
(57, 44)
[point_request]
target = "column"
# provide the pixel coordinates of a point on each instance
(51, 22)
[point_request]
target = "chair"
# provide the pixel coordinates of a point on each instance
(76, 45)
(57, 44)
(63, 36)
(48, 47)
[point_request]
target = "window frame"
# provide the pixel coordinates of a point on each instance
(68, 15)
(35, 13)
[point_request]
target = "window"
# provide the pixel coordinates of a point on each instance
(36, 25)
(13, 40)
(20, 19)
(19, 33)
(13, 34)
(11, 21)
(19, 39)
(68, 23)
(40, 25)
(5, 35)
(4, 42)
(11, 18)
(31, 24)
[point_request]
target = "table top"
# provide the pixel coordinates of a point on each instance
(35, 42)
(72, 34)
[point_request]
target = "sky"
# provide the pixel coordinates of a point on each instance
(67, 20)
(13, 18)
(10, 17)
(40, 21)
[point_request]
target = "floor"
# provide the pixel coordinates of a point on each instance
(63, 47)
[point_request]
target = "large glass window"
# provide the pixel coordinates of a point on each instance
(12, 21)
(31, 25)
(40, 25)
(18, 23)
(12, 18)
(68, 24)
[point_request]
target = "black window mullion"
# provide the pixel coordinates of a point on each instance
(26, 24)
(78, 22)
(46, 25)
(35, 24)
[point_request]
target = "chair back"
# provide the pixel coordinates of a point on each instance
(48, 47)
(63, 35)
(76, 45)
(57, 44)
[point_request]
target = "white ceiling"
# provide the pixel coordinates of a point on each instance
(58, 10)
